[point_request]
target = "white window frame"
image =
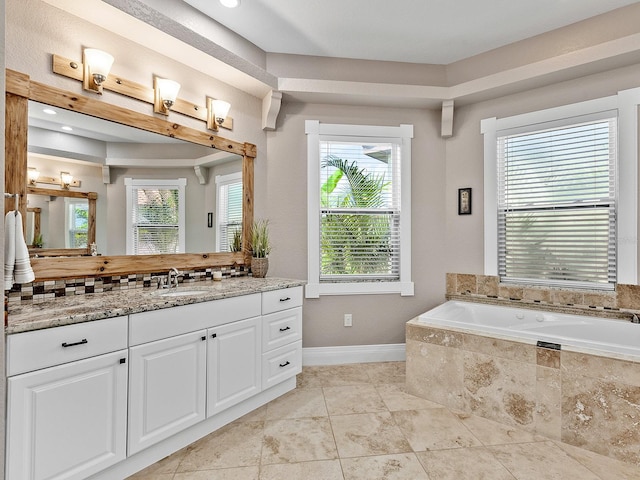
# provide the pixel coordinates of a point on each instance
(178, 184)
(402, 135)
(626, 103)
(222, 180)
(68, 203)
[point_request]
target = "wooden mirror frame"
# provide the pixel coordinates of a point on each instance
(20, 89)
(91, 198)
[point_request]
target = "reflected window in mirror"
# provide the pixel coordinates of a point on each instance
(229, 217)
(155, 216)
(76, 223)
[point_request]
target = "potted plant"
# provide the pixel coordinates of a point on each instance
(236, 241)
(261, 247)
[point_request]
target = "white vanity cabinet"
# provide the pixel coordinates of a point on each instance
(103, 399)
(166, 388)
(282, 335)
(233, 364)
(68, 418)
(178, 367)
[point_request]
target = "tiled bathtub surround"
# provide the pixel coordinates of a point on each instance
(484, 288)
(49, 289)
(584, 400)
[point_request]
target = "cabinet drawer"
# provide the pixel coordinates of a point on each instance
(169, 322)
(54, 346)
(277, 300)
(281, 363)
(281, 328)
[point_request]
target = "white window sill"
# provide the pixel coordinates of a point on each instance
(315, 290)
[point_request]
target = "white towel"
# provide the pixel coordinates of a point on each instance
(22, 273)
(9, 249)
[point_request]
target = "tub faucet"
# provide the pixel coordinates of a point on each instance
(635, 319)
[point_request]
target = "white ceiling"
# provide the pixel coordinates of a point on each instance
(417, 31)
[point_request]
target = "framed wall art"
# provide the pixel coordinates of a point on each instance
(464, 201)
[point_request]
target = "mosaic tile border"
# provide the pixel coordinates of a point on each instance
(621, 303)
(49, 289)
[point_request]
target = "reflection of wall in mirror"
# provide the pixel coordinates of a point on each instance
(200, 199)
(53, 213)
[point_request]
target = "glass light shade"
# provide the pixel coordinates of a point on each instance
(220, 110)
(66, 178)
(168, 91)
(230, 3)
(99, 63)
(33, 175)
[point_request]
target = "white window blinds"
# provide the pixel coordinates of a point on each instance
(557, 203)
(229, 218)
(359, 210)
(156, 216)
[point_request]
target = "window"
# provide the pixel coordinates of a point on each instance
(77, 223)
(359, 209)
(229, 217)
(560, 194)
(155, 216)
(557, 203)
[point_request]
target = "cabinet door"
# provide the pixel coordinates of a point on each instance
(233, 370)
(167, 388)
(69, 421)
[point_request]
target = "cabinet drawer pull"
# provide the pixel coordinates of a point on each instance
(203, 338)
(123, 360)
(285, 329)
(81, 342)
(285, 299)
(285, 364)
(214, 335)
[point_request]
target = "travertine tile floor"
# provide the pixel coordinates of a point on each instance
(355, 422)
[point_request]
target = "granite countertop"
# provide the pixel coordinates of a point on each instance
(96, 306)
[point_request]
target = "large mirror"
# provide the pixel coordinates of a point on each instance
(105, 162)
(101, 155)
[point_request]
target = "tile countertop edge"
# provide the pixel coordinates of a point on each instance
(89, 307)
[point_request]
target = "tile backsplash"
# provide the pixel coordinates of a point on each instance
(49, 289)
(485, 288)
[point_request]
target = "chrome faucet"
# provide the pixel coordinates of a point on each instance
(172, 277)
(635, 319)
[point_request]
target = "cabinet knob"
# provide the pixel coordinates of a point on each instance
(285, 364)
(214, 335)
(123, 360)
(285, 299)
(285, 329)
(81, 342)
(203, 338)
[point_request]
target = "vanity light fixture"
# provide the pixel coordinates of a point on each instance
(230, 3)
(66, 179)
(161, 100)
(32, 174)
(96, 65)
(165, 93)
(217, 111)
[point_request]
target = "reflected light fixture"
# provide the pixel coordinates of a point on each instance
(97, 65)
(217, 111)
(165, 92)
(230, 3)
(32, 174)
(66, 179)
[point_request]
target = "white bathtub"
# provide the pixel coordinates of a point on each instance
(602, 336)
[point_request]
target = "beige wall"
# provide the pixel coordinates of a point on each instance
(377, 319)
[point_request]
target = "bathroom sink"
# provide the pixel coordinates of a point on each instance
(179, 292)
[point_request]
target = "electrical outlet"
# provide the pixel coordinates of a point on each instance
(348, 320)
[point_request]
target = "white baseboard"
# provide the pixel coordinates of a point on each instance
(353, 354)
